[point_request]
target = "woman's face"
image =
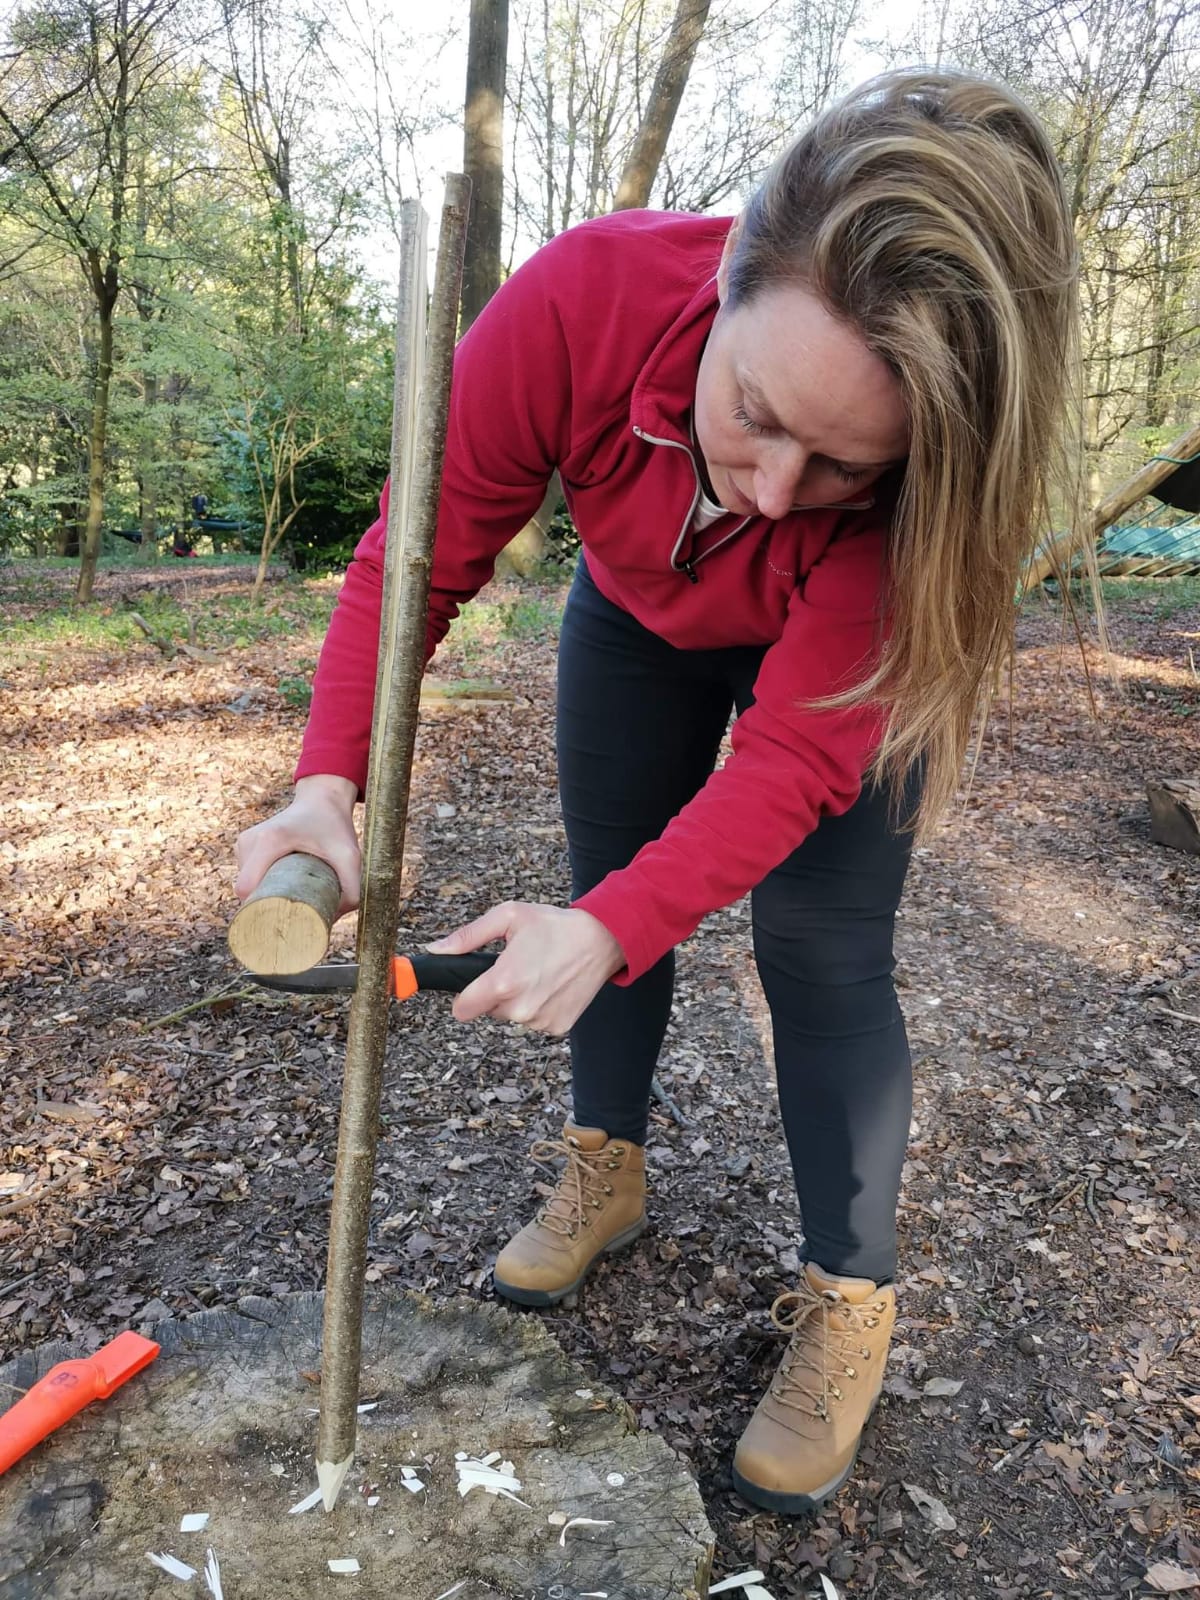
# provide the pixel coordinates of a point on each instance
(792, 409)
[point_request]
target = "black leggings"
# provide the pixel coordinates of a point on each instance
(639, 727)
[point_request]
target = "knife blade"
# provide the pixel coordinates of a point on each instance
(409, 975)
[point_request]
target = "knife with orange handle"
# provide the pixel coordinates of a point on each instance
(409, 975)
(66, 1389)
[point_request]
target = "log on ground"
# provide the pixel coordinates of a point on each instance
(224, 1423)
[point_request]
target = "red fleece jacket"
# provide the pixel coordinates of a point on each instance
(586, 361)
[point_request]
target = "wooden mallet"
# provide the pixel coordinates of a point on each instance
(283, 926)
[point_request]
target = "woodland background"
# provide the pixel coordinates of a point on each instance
(198, 210)
(199, 202)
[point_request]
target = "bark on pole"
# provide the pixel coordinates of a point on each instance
(422, 395)
(670, 81)
(1115, 505)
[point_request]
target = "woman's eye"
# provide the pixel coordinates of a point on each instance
(745, 420)
(748, 422)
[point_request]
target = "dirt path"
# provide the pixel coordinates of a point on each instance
(1046, 1384)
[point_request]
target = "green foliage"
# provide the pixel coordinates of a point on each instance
(562, 545)
(228, 621)
(1162, 598)
(252, 363)
(520, 613)
(297, 689)
(532, 616)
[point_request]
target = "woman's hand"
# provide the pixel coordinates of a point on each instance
(554, 964)
(320, 822)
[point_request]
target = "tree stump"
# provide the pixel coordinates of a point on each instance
(1175, 813)
(224, 1422)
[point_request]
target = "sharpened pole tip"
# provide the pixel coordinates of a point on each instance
(330, 1477)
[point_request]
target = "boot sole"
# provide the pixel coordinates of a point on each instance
(796, 1505)
(551, 1297)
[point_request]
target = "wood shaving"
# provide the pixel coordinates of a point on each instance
(172, 1567)
(741, 1580)
(581, 1522)
(212, 1576)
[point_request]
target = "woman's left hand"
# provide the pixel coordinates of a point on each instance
(554, 964)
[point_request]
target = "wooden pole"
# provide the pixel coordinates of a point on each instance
(1116, 504)
(418, 443)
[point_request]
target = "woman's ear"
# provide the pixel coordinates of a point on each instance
(727, 249)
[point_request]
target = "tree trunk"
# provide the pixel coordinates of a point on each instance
(66, 534)
(483, 153)
(34, 466)
(650, 146)
(148, 518)
(226, 1400)
(523, 554)
(90, 553)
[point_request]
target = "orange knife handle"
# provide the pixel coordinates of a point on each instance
(66, 1389)
(404, 980)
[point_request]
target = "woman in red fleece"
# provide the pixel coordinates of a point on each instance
(807, 454)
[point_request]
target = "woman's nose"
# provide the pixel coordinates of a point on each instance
(777, 482)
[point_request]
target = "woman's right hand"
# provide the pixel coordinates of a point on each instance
(319, 822)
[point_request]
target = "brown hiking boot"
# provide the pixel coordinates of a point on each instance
(598, 1205)
(803, 1437)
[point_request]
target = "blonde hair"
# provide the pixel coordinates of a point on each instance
(927, 210)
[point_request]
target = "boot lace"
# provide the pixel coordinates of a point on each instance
(826, 1348)
(582, 1187)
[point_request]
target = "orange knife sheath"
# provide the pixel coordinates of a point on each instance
(66, 1389)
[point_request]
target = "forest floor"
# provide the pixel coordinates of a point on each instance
(167, 1133)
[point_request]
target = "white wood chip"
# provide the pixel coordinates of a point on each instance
(472, 1475)
(446, 1593)
(581, 1522)
(741, 1580)
(212, 1576)
(345, 1564)
(309, 1501)
(370, 1405)
(173, 1568)
(484, 1478)
(827, 1588)
(194, 1522)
